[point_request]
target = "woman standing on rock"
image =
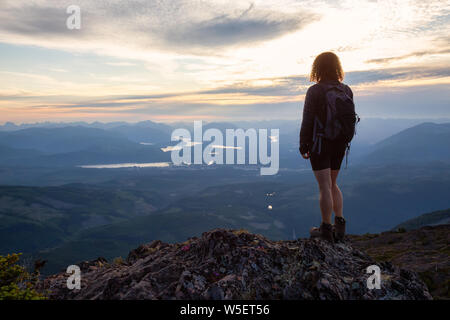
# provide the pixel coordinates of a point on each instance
(328, 126)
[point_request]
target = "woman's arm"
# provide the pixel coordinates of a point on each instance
(306, 130)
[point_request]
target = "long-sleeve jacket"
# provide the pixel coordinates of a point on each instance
(314, 106)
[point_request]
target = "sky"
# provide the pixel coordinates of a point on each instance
(172, 60)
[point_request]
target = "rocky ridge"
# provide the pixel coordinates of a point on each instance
(425, 250)
(235, 264)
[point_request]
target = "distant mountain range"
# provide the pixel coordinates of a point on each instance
(53, 144)
(12, 155)
(10, 126)
(426, 142)
(70, 146)
(428, 219)
(61, 140)
(145, 131)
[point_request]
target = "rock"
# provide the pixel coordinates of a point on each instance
(90, 265)
(214, 293)
(230, 264)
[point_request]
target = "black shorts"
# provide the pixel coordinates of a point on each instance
(330, 156)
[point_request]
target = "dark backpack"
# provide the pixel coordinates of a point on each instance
(341, 118)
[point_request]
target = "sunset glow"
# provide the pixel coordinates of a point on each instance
(178, 60)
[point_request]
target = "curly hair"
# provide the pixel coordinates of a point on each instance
(326, 66)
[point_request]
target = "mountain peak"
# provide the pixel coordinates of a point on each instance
(236, 264)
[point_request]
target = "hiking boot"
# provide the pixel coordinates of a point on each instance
(339, 228)
(324, 232)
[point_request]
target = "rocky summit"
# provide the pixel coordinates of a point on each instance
(232, 264)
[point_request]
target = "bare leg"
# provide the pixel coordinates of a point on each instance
(338, 202)
(323, 178)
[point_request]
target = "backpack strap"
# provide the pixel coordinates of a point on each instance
(317, 136)
(347, 151)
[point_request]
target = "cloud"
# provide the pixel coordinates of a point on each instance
(33, 20)
(296, 85)
(214, 57)
(249, 26)
(176, 26)
(409, 55)
(120, 64)
(241, 96)
(290, 87)
(399, 74)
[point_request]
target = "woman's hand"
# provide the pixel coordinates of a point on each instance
(306, 155)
